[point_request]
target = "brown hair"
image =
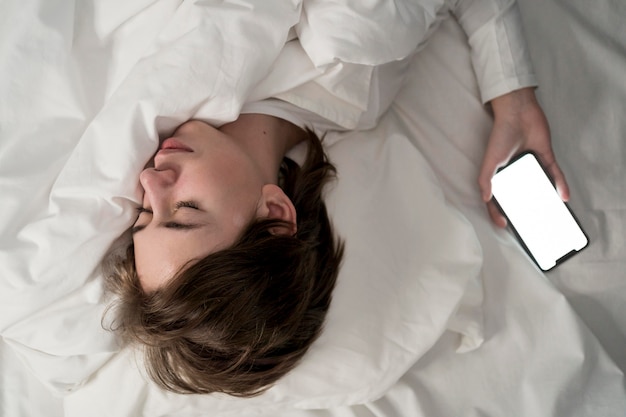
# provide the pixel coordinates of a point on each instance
(241, 318)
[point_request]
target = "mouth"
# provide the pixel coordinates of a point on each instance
(171, 145)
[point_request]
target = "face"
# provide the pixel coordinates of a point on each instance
(200, 194)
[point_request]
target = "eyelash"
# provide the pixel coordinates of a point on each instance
(189, 204)
(178, 205)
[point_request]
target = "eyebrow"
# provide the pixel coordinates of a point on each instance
(170, 225)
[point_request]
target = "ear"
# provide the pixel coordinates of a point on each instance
(276, 205)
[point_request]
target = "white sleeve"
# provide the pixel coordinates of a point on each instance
(498, 48)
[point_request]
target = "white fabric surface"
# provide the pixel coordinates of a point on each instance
(537, 358)
(376, 32)
(353, 45)
(580, 59)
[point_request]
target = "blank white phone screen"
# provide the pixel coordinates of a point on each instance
(538, 214)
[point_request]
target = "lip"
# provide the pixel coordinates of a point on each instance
(171, 151)
(173, 145)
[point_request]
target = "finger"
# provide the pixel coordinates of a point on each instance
(499, 151)
(491, 163)
(484, 182)
(496, 216)
(559, 180)
(549, 162)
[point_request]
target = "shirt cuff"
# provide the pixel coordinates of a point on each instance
(500, 55)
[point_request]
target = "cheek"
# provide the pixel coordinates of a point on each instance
(240, 220)
(245, 212)
(243, 204)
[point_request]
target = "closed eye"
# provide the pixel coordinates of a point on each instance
(189, 204)
(170, 224)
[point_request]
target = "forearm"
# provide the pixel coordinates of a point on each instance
(499, 52)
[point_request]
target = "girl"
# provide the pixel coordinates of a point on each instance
(233, 260)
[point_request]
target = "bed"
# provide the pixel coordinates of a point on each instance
(436, 312)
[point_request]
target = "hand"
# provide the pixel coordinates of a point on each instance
(519, 125)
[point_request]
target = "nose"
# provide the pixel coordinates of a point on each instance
(157, 184)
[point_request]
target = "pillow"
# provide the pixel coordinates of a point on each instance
(409, 260)
(371, 32)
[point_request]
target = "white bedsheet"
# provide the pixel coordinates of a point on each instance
(538, 358)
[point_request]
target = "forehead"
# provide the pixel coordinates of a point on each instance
(160, 253)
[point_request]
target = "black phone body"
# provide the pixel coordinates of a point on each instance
(543, 223)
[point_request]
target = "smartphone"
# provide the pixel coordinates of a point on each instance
(542, 222)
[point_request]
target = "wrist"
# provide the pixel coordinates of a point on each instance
(514, 103)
